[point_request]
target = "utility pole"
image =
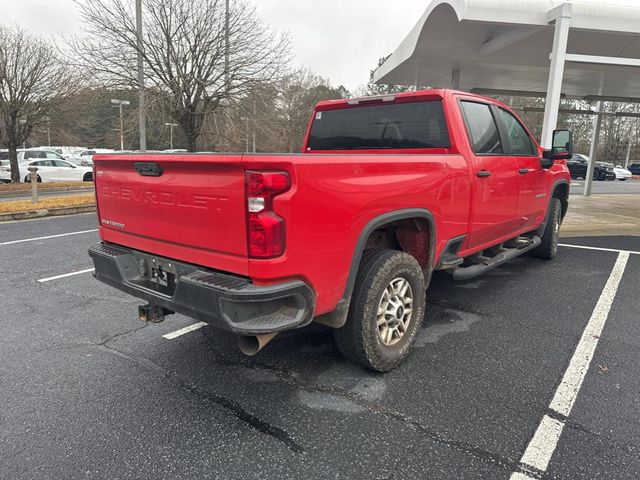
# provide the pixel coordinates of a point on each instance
(141, 102)
(120, 103)
(253, 130)
(24, 142)
(170, 125)
(227, 17)
(48, 131)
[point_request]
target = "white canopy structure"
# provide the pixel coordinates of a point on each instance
(579, 49)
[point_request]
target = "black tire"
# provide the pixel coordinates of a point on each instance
(88, 177)
(548, 249)
(360, 339)
(622, 179)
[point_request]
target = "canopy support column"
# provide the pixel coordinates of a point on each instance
(593, 151)
(562, 17)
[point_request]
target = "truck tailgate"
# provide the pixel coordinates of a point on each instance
(185, 207)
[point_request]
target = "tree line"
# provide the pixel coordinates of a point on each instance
(221, 75)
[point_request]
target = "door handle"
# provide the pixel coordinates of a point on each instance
(523, 171)
(484, 173)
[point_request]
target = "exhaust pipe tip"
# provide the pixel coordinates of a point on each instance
(252, 344)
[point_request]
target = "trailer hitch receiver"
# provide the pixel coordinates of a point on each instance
(152, 313)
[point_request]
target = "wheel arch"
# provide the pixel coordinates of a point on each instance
(559, 190)
(425, 229)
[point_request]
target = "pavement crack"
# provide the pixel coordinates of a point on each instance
(379, 409)
(121, 334)
(231, 406)
(629, 447)
(290, 378)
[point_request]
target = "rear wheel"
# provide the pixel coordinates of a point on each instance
(386, 312)
(88, 177)
(548, 249)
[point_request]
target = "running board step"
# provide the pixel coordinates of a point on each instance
(467, 273)
(450, 260)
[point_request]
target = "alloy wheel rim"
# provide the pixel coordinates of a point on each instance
(394, 311)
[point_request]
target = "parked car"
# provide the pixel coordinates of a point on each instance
(634, 168)
(55, 170)
(5, 170)
(387, 190)
(621, 173)
(86, 156)
(578, 165)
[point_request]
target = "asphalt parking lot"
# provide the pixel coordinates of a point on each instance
(87, 391)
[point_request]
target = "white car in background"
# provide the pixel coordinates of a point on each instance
(5, 171)
(51, 167)
(86, 156)
(622, 173)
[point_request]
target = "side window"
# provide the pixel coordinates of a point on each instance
(34, 154)
(60, 163)
(519, 139)
(52, 155)
(481, 128)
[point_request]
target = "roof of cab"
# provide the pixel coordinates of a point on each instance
(393, 97)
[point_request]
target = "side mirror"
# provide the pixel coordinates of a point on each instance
(561, 148)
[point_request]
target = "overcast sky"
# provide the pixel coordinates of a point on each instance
(338, 39)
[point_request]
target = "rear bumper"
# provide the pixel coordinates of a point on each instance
(222, 300)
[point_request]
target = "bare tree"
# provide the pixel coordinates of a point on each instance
(184, 49)
(33, 81)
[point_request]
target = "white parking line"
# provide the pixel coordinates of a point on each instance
(48, 236)
(182, 331)
(602, 249)
(48, 279)
(545, 440)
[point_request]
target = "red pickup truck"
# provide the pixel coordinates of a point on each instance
(346, 233)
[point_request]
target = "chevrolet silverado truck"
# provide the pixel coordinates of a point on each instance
(346, 233)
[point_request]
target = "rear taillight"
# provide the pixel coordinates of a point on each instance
(265, 228)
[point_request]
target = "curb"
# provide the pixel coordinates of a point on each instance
(11, 193)
(50, 212)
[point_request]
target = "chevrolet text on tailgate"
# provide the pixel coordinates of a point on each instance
(346, 234)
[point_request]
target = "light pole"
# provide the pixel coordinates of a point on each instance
(24, 142)
(120, 103)
(141, 102)
(48, 120)
(227, 17)
(170, 125)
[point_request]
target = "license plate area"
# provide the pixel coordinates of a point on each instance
(158, 275)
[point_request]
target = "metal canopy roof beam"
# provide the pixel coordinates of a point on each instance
(626, 62)
(507, 38)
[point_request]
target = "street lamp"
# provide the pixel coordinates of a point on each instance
(170, 125)
(48, 120)
(120, 103)
(141, 120)
(24, 142)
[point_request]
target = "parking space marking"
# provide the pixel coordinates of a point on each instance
(64, 275)
(545, 440)
(602, 249)
(12, 242)
(182, 331)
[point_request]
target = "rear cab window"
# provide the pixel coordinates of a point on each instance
(392, 126)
